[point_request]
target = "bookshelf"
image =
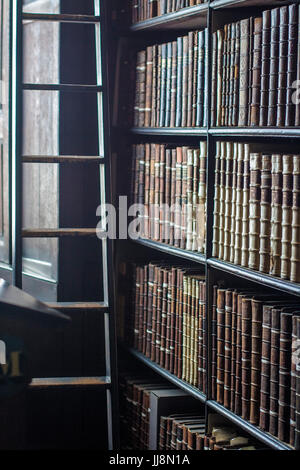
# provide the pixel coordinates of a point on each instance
(209, 15)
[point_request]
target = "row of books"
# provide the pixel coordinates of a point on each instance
(146, 9)
(170, 183)
(257, 210)
(170, 83)
(255, 66)
(254, 358)
(187, 431)
(168, 320)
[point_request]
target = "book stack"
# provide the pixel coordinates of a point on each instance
(257, 210)
(255, 65)
(170, 83)
(188, 432)
(170, 183)
(254, 359)
(146, 9)
(169, 320)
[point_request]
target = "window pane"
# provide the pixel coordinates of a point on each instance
(85, 7)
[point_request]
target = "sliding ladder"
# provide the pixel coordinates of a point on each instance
(19, 233)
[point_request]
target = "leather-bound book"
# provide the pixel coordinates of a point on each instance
(197, 334)
(195, 76)
(222, 198)
(276, 215)
(233, 203)
(254, 209)
(293, 383)
(151, 190)
(291, 63)
(137, 89)
(245, 215)
(158, 313)
(136, 307)
(178, 189)
(166, 236)
(195, 200)
(190, 78)
(250, 65)
(173, 194)
(176, 332)
(214, 345)
(244, 72)
(285, 356)
(162, 180)
(297, 414)
(235, 95)
(282, 66)
(256, 72)
(233, 349)
(149, 75)
(295, 250)
(199, 442)
(183, 198)
(231, 74)
(154, 311)
(159, 84)
(201, 78)
(189, 212)
(173, 319)
(193, 334)
(147, 189)
(246, 355)
(140, 310)
(162, 102)
(185, 80)
(213, 105)
(180, 327)
(162, 433)
(228, 199)
(297, 112)
(224, 73)
(173, 85)
(156, 190)
(265, 368)
(200, 337)
(215, 248)
(220, 344)
(265, 67)
(287, 203)
(163, 317)
(227, 348)
(167, 119)
(204, 348)
(256, 339)
(179, 81)
(142, 89)
(274, 64)
(168, 319)
(239, 205)
(144, 313)
(151, 269)
(185, 325)
(274, 370)
(154, 84)
(265, 214)
(220, 36)
(230, 54)
(201, 216)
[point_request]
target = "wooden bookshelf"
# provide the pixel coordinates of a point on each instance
(198, 18)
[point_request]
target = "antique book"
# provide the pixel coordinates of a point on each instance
(220, 36)
(168, 84)
(220, 344)
(297, 414)
(285, 356)
(235, 93)
(213, 105)
(256, 341)
(222, 198)
(265, 368)
(149, 75)
(185, 81)
(245, 213)
(274, 370)
(154, 84)
(295, 249)
(238, 367)
(227, 348)
(246, 318)
(200, 215)
(190, 79)
(282, 66)
(274, 66)
(228, 200)
(231, 74)
(173, 84)
(254, 210)
(214, 345)
(195, 75)
(224, 72)
(163, 83)
(233, 349)
(265, 214)
(276, 215)
(293, 383)
(244, 72)
(256, 72)
(287, 202)
(297, 111)
(291, 63)
(201, 79)
(217, 195)
(265, 67)
(179, 81)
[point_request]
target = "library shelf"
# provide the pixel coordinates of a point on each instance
(262, 436)
(171, 250)
(217, 4)
(175, 131)
(185, 18)
(167, 375)
(256, 276)
(269, 132)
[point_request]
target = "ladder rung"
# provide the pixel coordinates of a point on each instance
(57, 233)
(61, 159)
(67, 306)
(69, 382)
(62, 87)
(63, 18)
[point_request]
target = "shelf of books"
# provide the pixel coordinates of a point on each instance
(214, 161)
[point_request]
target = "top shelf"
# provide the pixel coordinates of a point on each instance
(218, 4)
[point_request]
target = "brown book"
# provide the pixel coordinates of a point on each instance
(217, 195)
(265, 67)
(154, 84)
(265, 368)
(297, 414)
(246, 356)
(185, 80)
(274, 370)
(220, 344)
(282, 66)
(227, 348)
(220, 36)
(163, 317)
(295, 250)
(239, 205)
(291, 63)
(293, 383)
(235, 104)
(231, 74)
(195, 76)
(190, 78)
(276, 215)
(265, 214)
(274, 64)
(224, 73)
(287, 203)
(173, 85)
(256, 339)
(256, 72)
(149, 75)
(297, 115)
(214, 345)
(213, 106)
(244, 72)
(245, 214)
(233, 349)
(228, 199)
(254, 209)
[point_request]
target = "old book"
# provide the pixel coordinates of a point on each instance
(162, 193)
(149, 74)
(189, 221)
(227, 77)
(185, 81)
(220, 36)
(245, 215)
(214, 346)
(228, 200)
(285, 356)
(256, 338)
(179, 81)
(295, 250)
(256, 72)
(164, 305)
(201, 208)
(297, 414)
(274, 64)
(168, 182)
(159, 84)
(282, 66)
(162, 108)
(224, 71)
(222, 198)
(227, 348)
(156, 191)
(265, 67)
(238, 366)
(183, 199)
(233, 349)
(201, 78)
(190, 80)
(217, 194)
(239, 205)
(173, 194)
(246, 356)
(291, 64)
(244, 72)
(154, 84)
(213, 106)
(195, 200)
(235, 94)
(287, 202)
(293, 383)
(276, 215)
(265, 214)
(297, 111)
(220, 344)
(231, 74)
(254, 209)
(274, 371)
(173, 85)
(265, 368)
(168, 85)
(195, 76)
(178, 194)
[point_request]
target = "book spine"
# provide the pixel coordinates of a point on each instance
(254, 209)
(276, 215)
(214, 80)
(189, 222)
(287, 202)
(297, 414)
(285, 345)
(168, 182)
(265, 67)
(201, 209)
(179, 81)
(233, 349)
(168, 85)
(195, 78)
(163, 85)
(235, 104)
(217, 195)
(183, 198)
(282, 66)
(227, 348)
(256, 72)
(190, 78)
(274, 371)
(291, 64)
(173, 85)
(222, 198)
(228, 199)
(238, 364)
(200, 79)
(154, 85)
(246, 356)
(239, 204)
(297, 115)
(156, 191)
(295, 251)
(214, 346)
(163, 318)
(220, 36)
(185, 80)
(149, 74)
(245, 216)
(162, 192)
(256, 338)
(159, 84)
(154, 312)
(244, 72)
(265, 214)
(265, 369)
(195, 199)
(159, 315)
(274, 64)
(220, 344)
(231, 74)
(293, 383)
(147, 190)
(224, 71)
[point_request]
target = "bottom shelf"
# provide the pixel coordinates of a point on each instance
(262, 436)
